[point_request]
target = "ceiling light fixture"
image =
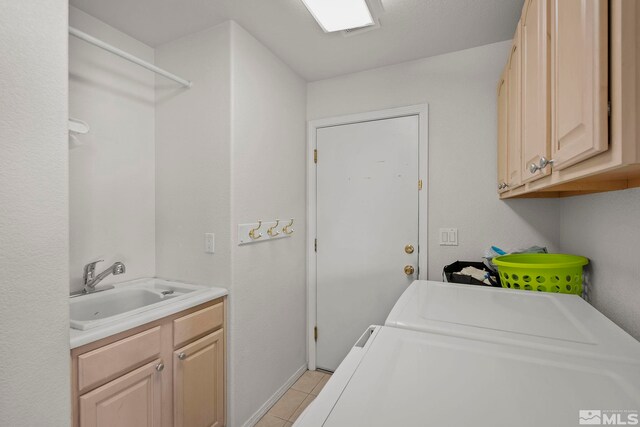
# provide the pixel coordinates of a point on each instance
(338, 15)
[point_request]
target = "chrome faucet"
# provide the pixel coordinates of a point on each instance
(91, 280)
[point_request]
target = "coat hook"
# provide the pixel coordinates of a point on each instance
(252, 232)
(271, 231)
(287, 228)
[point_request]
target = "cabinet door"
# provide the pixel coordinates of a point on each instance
(198, 382)
(579, 80)
(132, 400)
(514, 135)
(502, 132)
(535, 89)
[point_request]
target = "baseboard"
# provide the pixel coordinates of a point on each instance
(273, 399)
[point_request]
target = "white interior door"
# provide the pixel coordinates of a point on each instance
(367, 215)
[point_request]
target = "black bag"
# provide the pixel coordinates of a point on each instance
(450, 274)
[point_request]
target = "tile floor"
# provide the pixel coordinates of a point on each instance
(295, 400)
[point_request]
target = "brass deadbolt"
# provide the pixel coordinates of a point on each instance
(409, 249)
(409, 270)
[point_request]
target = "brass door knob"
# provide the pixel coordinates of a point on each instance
(409, 270)
(409, 249)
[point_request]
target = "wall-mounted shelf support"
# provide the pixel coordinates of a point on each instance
(78, 126)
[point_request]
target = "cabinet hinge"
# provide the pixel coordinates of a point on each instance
(609, 108)
(419, 185)
(315, 333)
(315, 156)
(315, 245)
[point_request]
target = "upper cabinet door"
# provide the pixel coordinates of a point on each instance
(579, 82)
(502, 132)
(514, 135)
(535, 89)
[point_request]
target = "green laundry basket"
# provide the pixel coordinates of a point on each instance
(542, 272)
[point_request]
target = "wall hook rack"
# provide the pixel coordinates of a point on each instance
(249, 233)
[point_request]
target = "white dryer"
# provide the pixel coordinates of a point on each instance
(554, 322)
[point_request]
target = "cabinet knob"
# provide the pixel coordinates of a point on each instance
(409, 270)
(543, 163)
(160, 367)
(533, 168)
(182, 356)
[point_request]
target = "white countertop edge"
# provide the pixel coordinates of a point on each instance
(79, 338)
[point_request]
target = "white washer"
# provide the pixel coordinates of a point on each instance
(405, 378)
(560, 323)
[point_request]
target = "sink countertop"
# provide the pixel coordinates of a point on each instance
(79, 338)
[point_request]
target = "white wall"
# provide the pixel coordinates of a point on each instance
(268, 317)
(606, 228)
(460, 89)
(231, 150)
(112, 168)
(192, 159)
(34, 308)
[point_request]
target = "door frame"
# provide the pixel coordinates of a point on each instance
(420, 110)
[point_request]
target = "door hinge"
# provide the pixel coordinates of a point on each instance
(315, 156)
(315, 245)
(419, 184)
(315, 333)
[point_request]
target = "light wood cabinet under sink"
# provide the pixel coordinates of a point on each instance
(170, 372)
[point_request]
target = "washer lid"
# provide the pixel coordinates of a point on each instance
(409, 378)
(556, 322)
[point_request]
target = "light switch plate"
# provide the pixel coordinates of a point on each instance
(209, 243)
(448, 236)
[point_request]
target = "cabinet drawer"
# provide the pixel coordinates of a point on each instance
(108, 362)
(195, 324)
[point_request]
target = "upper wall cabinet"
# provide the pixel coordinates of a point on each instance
(535, 89)
(572, 125)
(580, 80)
(514, 130)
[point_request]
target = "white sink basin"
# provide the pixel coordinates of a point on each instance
(126, 299)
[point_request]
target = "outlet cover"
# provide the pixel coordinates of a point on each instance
(209, 243)
(448, 236)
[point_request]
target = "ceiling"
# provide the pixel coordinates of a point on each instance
(410, 29)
